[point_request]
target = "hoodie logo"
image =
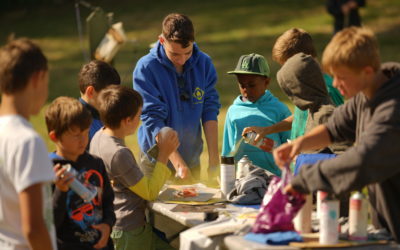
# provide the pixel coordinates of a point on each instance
(198, 94)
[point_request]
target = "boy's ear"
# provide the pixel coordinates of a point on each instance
(125, 120)
(52, 136)
(267, 80)
(161, 39)
(89, 92)
(37, 77)
(368, 70)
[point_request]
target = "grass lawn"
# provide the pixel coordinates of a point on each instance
(224, 30)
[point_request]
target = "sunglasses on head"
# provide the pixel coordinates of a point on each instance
(184, 95)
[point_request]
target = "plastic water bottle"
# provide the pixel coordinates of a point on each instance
(228, 175)
(358, 217)
(329, 225)
(262, 144)
(85, 193)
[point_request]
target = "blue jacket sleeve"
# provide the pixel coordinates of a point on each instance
(154, 111)
(211, 98)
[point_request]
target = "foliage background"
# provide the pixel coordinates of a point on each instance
(225, 29)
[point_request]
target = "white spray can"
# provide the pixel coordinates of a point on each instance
(302, 221)
(242, 168)
(328, 222)
(358, 217)
(321, 195)
(228, 175)
(86, 193)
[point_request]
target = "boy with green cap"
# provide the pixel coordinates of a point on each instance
(254, 106)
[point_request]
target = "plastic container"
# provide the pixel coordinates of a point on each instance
(84, 192)
(263, 144)
(328, 222)
(358, 217)
(228, 175)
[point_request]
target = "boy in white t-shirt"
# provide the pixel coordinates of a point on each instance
(26, 219)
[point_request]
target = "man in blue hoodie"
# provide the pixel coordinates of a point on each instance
(254, 105)
(177, 83)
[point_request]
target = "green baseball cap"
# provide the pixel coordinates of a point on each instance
(253, 64)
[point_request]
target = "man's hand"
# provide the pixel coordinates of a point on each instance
(105, 234)
(183, 172)
(63, 179)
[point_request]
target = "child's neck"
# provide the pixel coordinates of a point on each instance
(15, 105)
(88, 100)
(70, 157)
(378, 80)
(119, 132)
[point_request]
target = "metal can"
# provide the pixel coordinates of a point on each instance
(358, 217)
(84, 192)
(263, 144)
(228, 175)
(328, 222)
(242, 168)
(321, 195)
(302, 221)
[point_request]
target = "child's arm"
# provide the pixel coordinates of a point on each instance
(284, 125)
(211, 133)
(33, 224)
(317, 138)
(148, 188)
(178, 163)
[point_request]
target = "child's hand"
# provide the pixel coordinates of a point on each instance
(63, 179)
(290, 190)
(105, 234)
(260, 131)
(284, 154)
(167, 141)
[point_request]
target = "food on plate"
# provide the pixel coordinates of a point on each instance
(186, 192)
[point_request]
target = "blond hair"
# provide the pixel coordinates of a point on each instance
(291, 42)
(353, 48)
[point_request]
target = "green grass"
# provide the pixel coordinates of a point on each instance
(224, 29)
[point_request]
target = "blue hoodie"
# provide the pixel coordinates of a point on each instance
(156, 79)
(266, 111)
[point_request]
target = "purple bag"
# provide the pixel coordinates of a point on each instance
(278, 210)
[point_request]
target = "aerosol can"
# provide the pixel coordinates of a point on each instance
(83, 191)
(243, 167)
(263, 144)
(329, 225)
(358, 217)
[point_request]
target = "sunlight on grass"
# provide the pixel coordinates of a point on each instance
(224, 30)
